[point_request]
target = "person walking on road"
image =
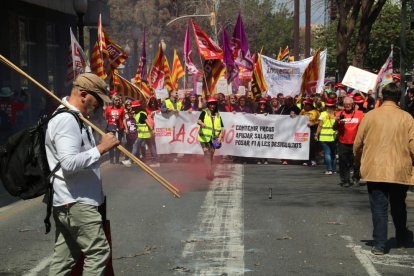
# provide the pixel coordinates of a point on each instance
(384, 146)
(210, 133)
(77, 185)
(346, 123)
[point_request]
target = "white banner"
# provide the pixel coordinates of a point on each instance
(286, 77)
(248, 135)
(359, 79)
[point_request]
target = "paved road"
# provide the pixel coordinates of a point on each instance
(229, 226)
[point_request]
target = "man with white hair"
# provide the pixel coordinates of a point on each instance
(346, 123)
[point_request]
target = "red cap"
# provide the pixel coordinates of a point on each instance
(396, 76)
(135, 103)
(308, 101)
(262, 101)
(212, 100)
(339, 84)
(330, 102)
(358, 99)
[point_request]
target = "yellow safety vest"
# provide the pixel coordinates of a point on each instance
(169, 105)
(205, 134)
(327, 133)
(143, 129)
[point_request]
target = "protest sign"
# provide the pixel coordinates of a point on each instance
(161, 93)
(223, 87)
(199, 88)
(286, 77)
(359, 79)
(247, 135)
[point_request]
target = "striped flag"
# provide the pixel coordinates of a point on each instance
(283, 56)
(97, 66)
(126, 88)
(141, 73)
(213, 70)
(311, 75)
(76, 60)
(167, 74)
(258, 78)
(111, 53)
(177, 70)
(207, 48)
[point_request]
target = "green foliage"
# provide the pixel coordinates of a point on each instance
(268, 24)
(385, 32)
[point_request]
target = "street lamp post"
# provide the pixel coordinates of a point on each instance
(80, 7)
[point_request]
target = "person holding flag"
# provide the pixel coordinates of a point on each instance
(210, 134)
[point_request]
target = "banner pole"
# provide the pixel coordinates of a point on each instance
(141, 164)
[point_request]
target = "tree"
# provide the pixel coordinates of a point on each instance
(268, 24)
(351, 12)
(384, 32)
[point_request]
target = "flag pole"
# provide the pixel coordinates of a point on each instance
(141, 164)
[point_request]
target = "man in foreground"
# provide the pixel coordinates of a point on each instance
(384, 146)
(77, 184)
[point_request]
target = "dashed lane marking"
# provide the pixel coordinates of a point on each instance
(220, 247)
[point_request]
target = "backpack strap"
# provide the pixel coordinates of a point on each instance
(50, 191)
(49, 194)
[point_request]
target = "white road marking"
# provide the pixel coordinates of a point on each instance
(362, 256)
(39, 267)
(218, 248)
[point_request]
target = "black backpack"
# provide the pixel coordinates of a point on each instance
(24, 170)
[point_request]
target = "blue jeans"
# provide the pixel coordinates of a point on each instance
(151, 145)
(329, 154)
(380, 195)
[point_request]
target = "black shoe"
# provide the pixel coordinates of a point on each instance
(347, 185)
(377, 250)
(405, 240)
(356, 182)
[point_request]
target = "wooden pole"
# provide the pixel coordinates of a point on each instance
(141, 164)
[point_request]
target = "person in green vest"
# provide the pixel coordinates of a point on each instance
(326, 136)
(210, 134)
(145, 132)
(172, 104)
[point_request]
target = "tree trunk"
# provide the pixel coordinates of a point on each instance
(348, 11)
(369, 13)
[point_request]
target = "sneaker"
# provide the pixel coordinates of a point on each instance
(328, 172)
(347, 184)
(377, 250)
(155, 165)
(175, 160)
(259, 163)
(127, 163)
(284, 163)
(304, 164)
(313, 163)
(266, 163)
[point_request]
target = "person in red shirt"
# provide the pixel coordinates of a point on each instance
(114, 115)
(347, 122)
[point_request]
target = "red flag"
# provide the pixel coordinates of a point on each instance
(207, 48)
(157, 70)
